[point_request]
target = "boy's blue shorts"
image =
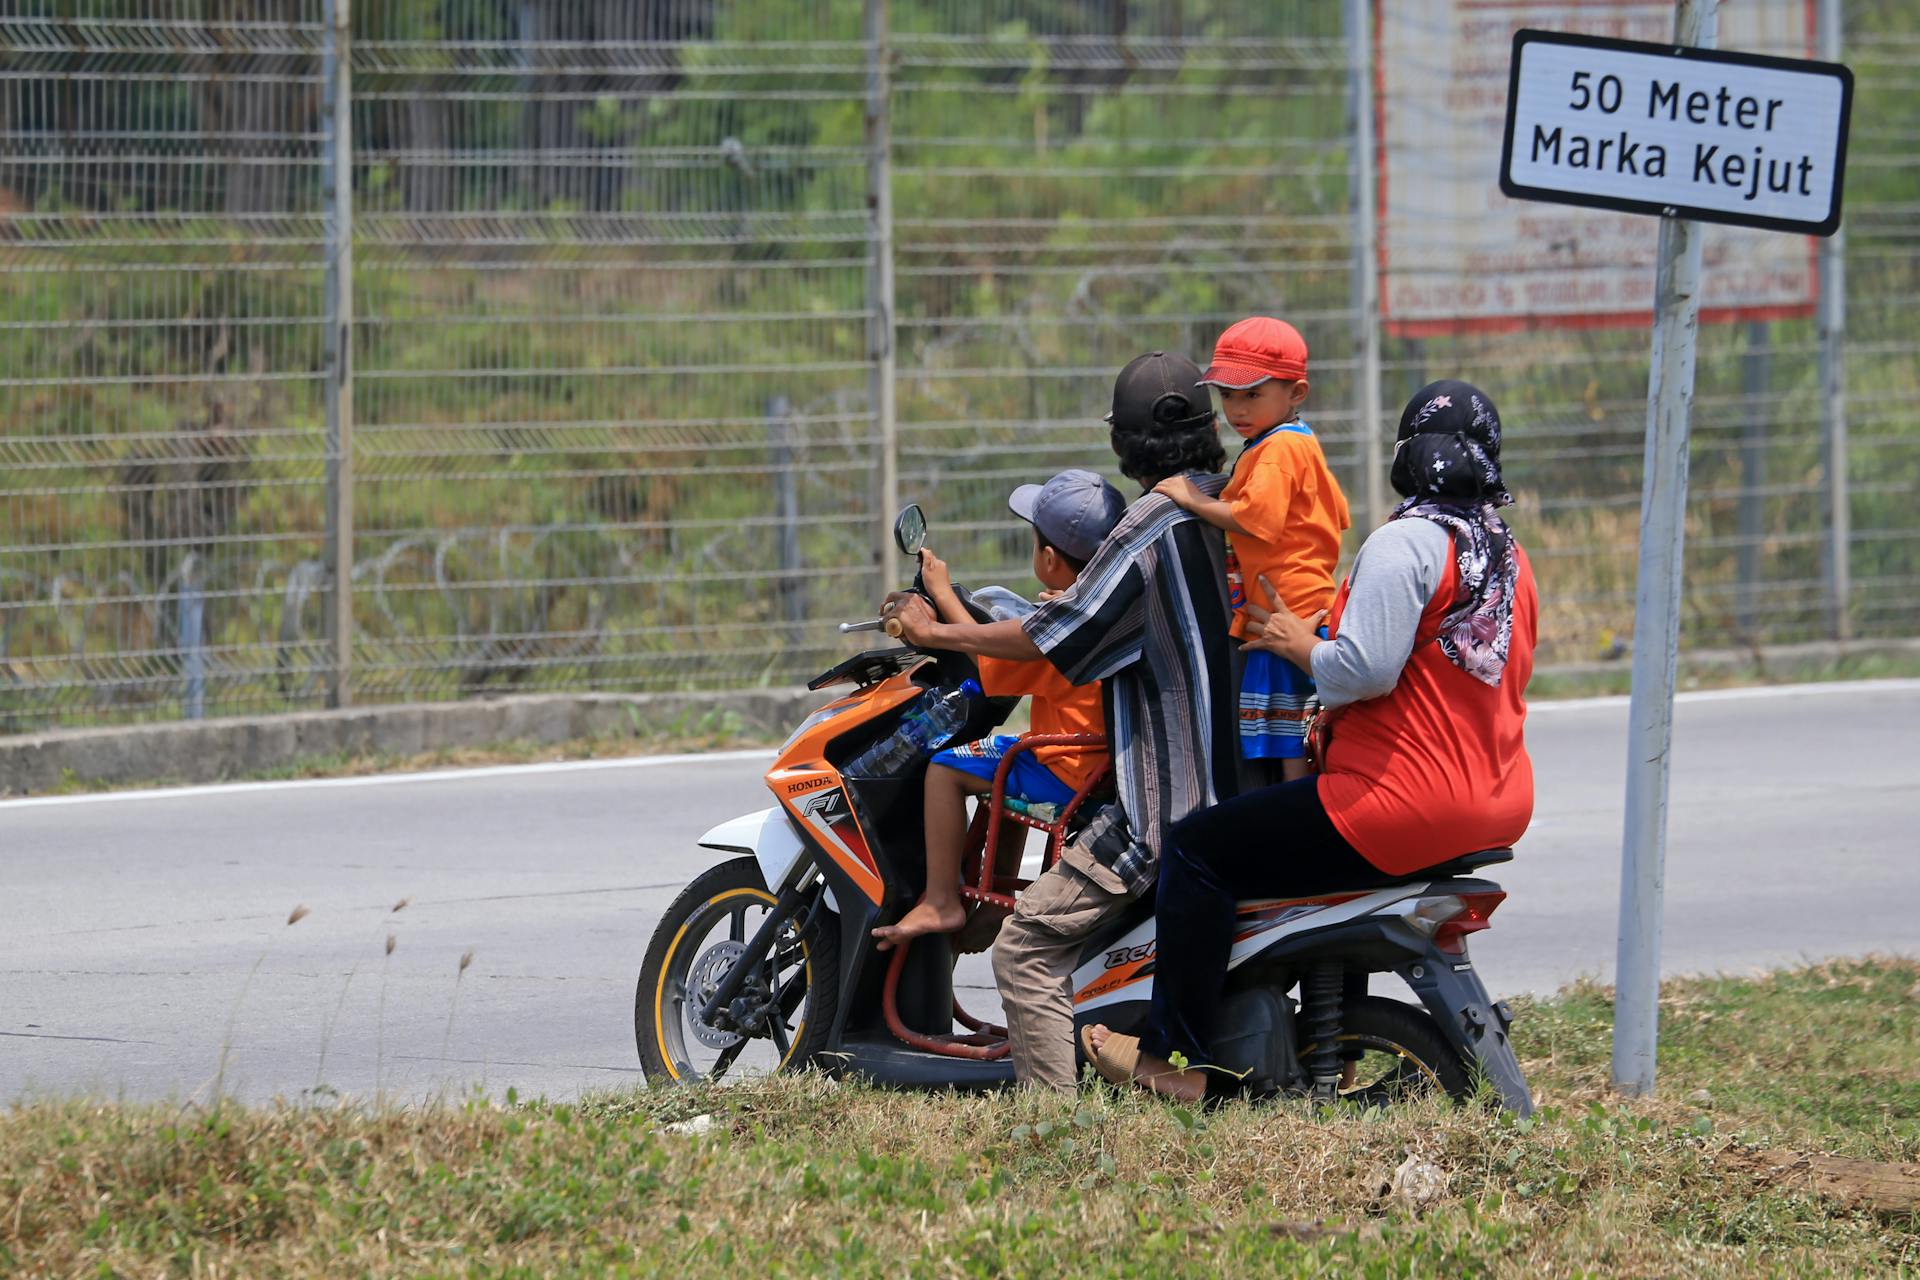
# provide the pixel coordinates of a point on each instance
(1029, 780)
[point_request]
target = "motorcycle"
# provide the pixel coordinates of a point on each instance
(766, 960)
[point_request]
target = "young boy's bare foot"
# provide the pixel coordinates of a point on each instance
(925, 917)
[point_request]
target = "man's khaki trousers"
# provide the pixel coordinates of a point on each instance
(1033, 962)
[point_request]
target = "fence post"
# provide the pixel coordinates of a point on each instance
(190, 622)
(1366, 276)
(880, 399)
(789, 586)
(1832, 327)
(1757, 369)
(336, 131)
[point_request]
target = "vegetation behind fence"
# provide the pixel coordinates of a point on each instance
(626, 296)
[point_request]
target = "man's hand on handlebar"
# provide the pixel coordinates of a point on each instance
(920, 628)
(917, 620)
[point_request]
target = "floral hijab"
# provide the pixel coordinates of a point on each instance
(1446, 465)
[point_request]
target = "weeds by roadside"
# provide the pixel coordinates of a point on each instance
(807, 1176)
(715, 732)
(1800, 664)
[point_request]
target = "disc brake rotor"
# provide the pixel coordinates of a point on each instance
(703, 979)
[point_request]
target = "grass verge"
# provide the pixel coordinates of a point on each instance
(806, 1176)
(1796, 664)
(350, 764)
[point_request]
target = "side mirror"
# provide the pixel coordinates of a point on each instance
(910, 529)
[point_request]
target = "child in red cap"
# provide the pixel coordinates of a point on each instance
(1283, 514)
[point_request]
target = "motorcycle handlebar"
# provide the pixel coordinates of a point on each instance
(889, 625)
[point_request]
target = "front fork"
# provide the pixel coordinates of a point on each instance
(1473, 1023)
(727, 1008)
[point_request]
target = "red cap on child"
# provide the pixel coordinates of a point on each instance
(1254, 350)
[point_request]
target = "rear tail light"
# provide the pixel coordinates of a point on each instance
(1448, 919)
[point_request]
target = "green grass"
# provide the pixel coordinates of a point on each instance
(806, 1176)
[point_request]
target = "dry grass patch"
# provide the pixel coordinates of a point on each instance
(808, 1176)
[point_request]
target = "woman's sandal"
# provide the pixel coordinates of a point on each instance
(1116, 1059)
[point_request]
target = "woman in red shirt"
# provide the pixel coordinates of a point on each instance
(1426, 669)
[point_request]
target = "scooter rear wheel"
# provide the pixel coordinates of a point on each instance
(694, 946)
(1402, 1054)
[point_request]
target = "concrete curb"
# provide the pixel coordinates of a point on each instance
(217, 750)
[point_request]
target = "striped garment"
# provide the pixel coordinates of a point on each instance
(1276, 701)
(1149, 616)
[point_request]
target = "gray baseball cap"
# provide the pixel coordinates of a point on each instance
(1075, 511)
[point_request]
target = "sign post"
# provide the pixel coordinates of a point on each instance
(1656, 654)
(1689, 134)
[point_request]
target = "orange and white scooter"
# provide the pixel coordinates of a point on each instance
(766, 960)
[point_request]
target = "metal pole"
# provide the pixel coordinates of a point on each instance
(1832, 325)
(1757, 368)
(1366, 258)
(880, 280)
(790, 588)
(336, 125)
(191, 623)
(1656, 623)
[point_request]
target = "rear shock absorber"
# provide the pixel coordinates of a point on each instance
(1320, 992)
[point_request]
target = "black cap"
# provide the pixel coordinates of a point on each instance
(1161, 389)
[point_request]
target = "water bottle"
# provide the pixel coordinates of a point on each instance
(920, 733)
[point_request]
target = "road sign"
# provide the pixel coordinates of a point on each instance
(1676, 131)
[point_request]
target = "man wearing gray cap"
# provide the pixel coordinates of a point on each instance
(1071, 516)
(1148, 618)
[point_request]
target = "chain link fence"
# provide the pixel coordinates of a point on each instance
(658, 306)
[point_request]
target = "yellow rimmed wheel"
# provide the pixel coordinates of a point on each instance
(781, 1017)
(1398, 1053)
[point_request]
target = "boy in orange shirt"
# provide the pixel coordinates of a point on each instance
(1283, 514)
(1071, 515)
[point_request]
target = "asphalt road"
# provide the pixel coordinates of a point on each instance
(142, 932)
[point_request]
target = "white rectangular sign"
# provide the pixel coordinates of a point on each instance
(1694, 133)
(1457, 255)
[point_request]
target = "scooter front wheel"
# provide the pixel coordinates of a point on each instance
(785, 1010)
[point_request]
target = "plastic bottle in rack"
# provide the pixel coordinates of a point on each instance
(918, 736)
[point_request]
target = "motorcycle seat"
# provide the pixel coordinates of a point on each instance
(1464, 865)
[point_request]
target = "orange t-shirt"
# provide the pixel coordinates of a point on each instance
(1438, 767)
(1057, 707)
(1286, 498)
